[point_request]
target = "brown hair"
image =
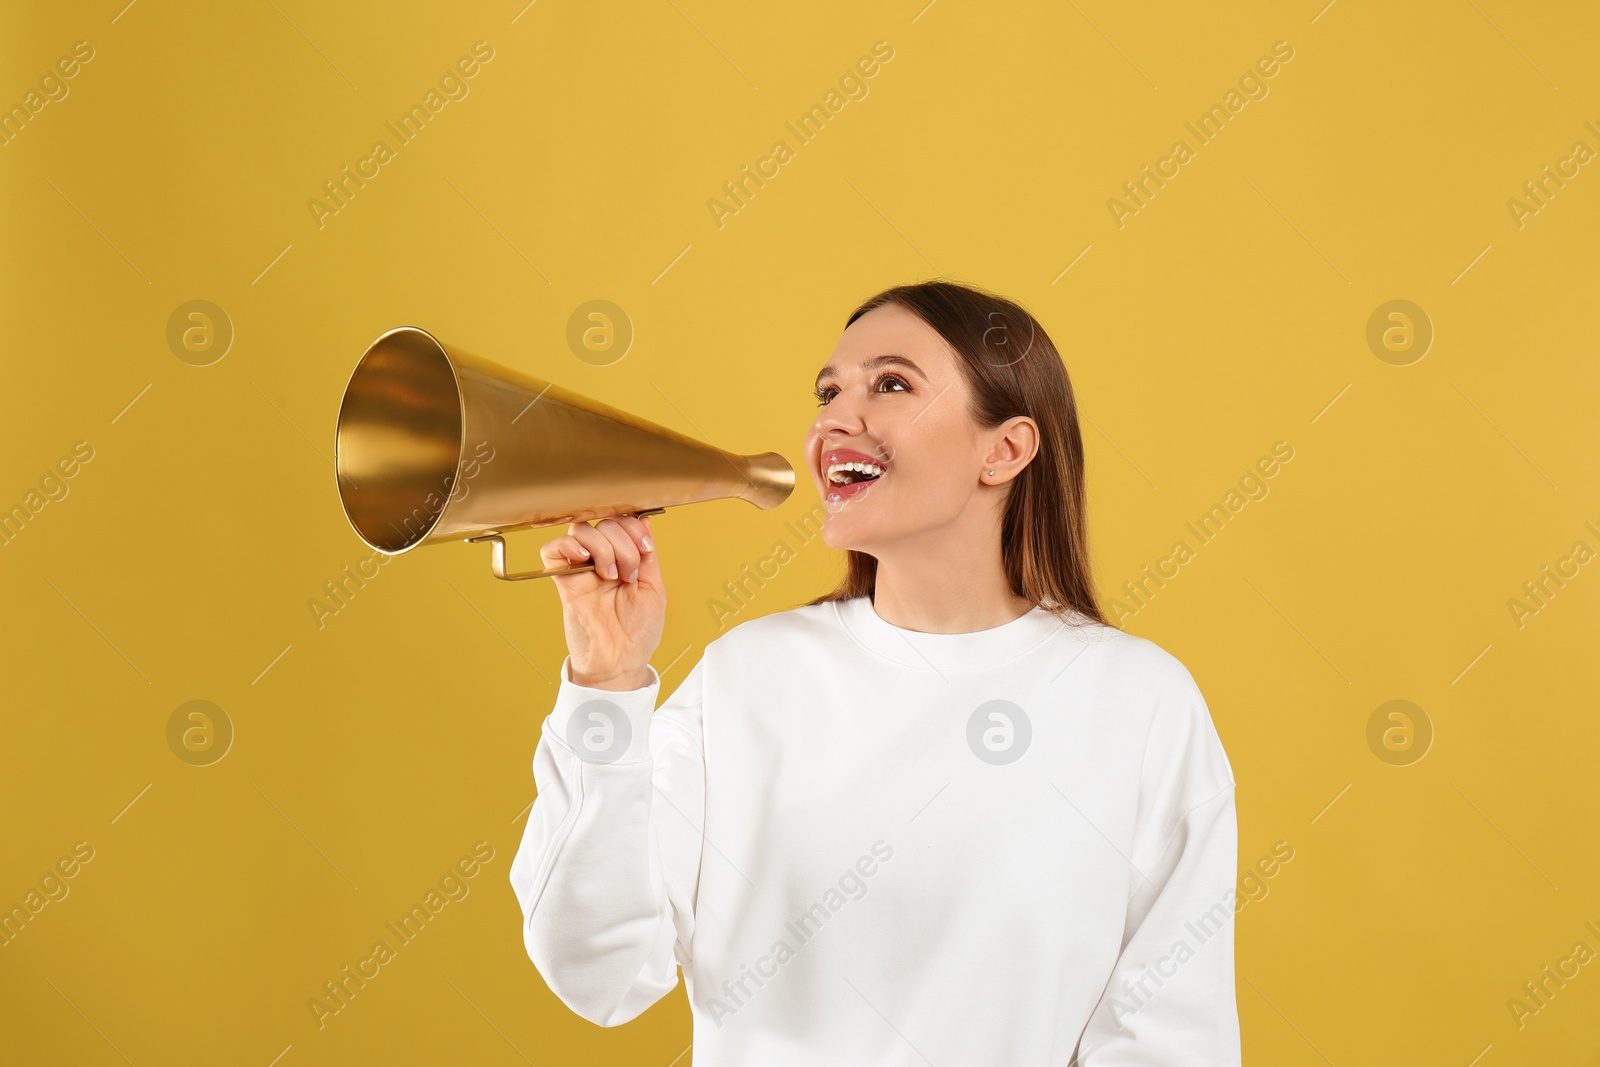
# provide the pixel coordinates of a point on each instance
(1011, 368)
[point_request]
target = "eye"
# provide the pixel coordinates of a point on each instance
(827, 392)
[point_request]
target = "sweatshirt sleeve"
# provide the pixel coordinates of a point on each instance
(608, 867)
(1170, 1001)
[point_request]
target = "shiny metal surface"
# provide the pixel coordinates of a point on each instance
(436, 444)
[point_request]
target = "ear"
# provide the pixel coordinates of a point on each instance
(1012, 445)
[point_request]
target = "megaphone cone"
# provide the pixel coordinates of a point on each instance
(435, 444)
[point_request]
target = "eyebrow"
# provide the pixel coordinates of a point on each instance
(891, 359)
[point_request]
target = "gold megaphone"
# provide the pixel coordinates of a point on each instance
(435, 444)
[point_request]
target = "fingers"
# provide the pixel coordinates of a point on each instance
(617, 546)
(622, 532)
(639, 529)
(565, 551)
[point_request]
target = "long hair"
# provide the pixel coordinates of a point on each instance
(1011, 368)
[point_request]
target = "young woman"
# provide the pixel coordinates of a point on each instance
(942, 815)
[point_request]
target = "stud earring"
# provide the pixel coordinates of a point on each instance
(991, 474)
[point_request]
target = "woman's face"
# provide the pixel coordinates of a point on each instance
(895, 399)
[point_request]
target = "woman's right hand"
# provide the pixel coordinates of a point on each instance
(615, 613)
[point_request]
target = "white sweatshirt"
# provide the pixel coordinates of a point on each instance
(871, 845)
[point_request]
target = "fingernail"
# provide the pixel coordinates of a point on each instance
(649, 545)
(583, 551)
(633, 576)
(611, 571)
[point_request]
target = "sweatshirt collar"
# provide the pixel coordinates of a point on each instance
(945, 653)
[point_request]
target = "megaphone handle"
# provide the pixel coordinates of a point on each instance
(497, 556)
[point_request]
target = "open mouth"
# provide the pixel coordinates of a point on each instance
(847, 473)
(854, 472)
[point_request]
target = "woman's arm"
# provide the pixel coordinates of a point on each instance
(608, 868)
(1170, 1001)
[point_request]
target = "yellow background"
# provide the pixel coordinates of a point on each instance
(1228, 314)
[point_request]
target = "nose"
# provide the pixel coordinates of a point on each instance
(838, 420)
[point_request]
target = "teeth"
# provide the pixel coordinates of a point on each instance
(835, 470)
